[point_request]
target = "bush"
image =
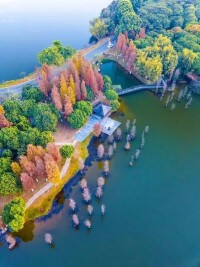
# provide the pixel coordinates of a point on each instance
(67, 151)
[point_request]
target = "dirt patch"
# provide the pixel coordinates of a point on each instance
(64, 133)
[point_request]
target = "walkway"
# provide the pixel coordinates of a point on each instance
(39, 193)
(139, 88)
(48, 186)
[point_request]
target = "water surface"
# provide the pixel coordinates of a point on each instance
(27, 27)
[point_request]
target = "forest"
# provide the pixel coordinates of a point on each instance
(165, 35)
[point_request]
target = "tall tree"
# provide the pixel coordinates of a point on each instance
(27, 166)
(40, 167)
(68, 107)
(142, 33)
(99, 80)
(83, 91)
(63, 87)
(44, 79)
(51, 168)
(56, 98)
(120, 42)
(91, 80)
(27, 182)
(53, 150)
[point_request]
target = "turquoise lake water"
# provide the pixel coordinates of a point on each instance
(152, 209)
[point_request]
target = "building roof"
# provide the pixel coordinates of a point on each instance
(109, 125)
(101, 109)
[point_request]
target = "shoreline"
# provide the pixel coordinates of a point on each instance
(31, 76)
(67, 188)
(110, 57)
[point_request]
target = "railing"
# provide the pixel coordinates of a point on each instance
(139, 88)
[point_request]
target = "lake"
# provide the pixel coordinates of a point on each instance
(152, 209)
(27, 27)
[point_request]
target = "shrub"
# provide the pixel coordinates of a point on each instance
(67, 151)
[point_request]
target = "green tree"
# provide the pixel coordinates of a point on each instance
(98, 28)
(149, 67)
(196, 64)
(5, 165)
(111, 94)
(66, 151)
(65, 51)
(51, 56)
(28, 107)
(187, 59)
(85, 107)
(32, 93)
(9, 184)
(115, 104)
(14, 214)
(127, 18)
(9, 138)
(44, 118)
(7, 153)
(77, 119)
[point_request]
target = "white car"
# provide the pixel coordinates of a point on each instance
(110, 45)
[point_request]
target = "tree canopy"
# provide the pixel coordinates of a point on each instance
(66, 151)
(14, 214)
(55, 54)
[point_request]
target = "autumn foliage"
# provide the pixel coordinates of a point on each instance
(39, 164)
(70, 85)
(3, 121)
(127, 49)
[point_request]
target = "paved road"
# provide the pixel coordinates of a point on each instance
(89, 56)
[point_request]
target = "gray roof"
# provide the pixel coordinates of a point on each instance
(109, 125)
(101, 109)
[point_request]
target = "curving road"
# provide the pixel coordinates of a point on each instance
(89, 56)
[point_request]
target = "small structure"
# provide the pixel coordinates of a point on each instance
(108, 125)
(101, 113)
(102, 110)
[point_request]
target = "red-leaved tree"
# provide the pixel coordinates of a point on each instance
(27, 182)
(27, 166)
(83, 91)
(4, 122)
(91, 80)
(53, 150)
(99, 80)
(68, 107)
(56, 98)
